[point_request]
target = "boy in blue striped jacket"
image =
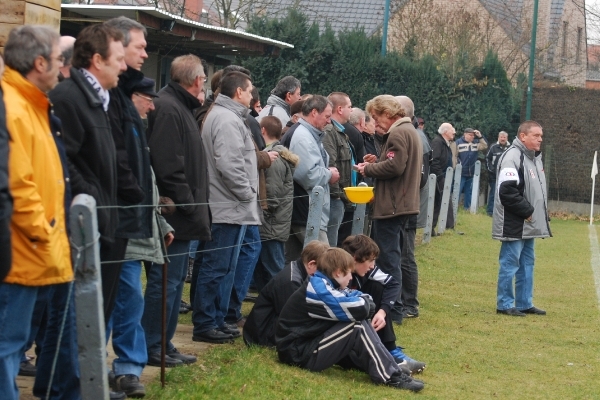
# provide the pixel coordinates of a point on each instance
(324, 323)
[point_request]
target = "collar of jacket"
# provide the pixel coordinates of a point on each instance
(184, 96)
(88, 91)
(278, 101)
(28, 90)
(403, 120)
(239, 109)
(529, 153)
(332, 282)
(129, 79)
(315, 132)
(301, 268)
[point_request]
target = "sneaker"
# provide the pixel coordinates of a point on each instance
(130, 385)
(408, 313)
(184, 307)
(407, 363)
(184, 358)
(400, 380)
(26, 368)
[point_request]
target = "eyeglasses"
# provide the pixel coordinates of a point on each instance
(148, 98)
(204, 78)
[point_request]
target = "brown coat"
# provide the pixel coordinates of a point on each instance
(398, 172)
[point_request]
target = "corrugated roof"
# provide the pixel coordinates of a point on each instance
(110, 11)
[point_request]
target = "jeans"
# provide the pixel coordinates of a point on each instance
(16, 309)
(176, 272)
(216, 276)
(387, 233)
(247, 259)
(65, 383)
(199, 256)
(466, 186)
(128, 340)
(39, 320)
(193, 248)
(490, 202)
(270, 262)
(336, 214)
(410, 272)
(516, 261)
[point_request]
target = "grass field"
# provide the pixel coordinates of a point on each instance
(471, 352)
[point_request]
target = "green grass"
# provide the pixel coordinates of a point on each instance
(471, 352)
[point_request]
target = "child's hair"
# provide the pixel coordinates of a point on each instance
(335, 259)
(272, 125)
(361, 247)
(313, 251)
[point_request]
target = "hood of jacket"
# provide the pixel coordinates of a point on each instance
(278, 101)
(237, 108)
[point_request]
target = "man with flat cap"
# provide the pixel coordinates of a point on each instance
(468, 148)
(143, 98)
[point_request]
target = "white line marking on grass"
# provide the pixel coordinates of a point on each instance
(595, 259)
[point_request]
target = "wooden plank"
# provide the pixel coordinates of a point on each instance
(53, 4)
(38, 15)
(4, 31)
(13, 11)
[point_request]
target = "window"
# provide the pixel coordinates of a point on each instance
(578, 51)
(564, 39)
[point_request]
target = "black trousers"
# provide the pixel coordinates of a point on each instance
(353, 344)
(386, 334)
(110, 272)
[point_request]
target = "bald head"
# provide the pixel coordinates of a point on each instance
(66, 44)
(407, 104)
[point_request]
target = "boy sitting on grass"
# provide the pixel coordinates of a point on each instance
(323, 323)
(261, 324)
(384, 290)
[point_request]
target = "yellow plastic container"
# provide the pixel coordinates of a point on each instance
(359, 194)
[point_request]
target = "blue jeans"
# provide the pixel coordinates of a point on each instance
(176, 272)
(39, 321)
(516, 261)
(216, 276)
(466, 187)
(388, 234)
(247, 259)
(336, 215)
(270, 262)
(128, 340)
(65, 383)
(490, 203)
(16, 309)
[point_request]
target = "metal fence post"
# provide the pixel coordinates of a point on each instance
(91, 332)
(315, 209)
(445, 201)
(430, 205)
(358, 223)
(456, 190)
(475, 191)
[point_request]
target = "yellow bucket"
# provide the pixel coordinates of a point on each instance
(359, 194)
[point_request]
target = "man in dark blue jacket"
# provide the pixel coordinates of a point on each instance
(468, 148)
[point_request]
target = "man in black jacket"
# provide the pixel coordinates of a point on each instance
(5, 199)
(81, 102)
(135, 187)
(441, 160)
(176, 154)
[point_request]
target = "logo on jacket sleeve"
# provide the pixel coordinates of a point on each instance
(390, 155)
(508, 174)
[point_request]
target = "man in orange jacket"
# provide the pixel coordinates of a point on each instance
(41, 258)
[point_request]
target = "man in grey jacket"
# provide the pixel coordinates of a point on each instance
(233, 182)
(286, 93)
(520, 216)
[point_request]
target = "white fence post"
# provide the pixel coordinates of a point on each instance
(315, 209)
(430, 205)
(445, 201)
(475, 191)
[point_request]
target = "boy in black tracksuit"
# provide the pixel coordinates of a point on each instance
(323, 323)
(384, 290)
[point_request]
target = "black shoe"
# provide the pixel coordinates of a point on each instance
(513, 312)
(213, 336)
(400, 380)
(117, 395)
(26, 368)
(184, 358)
(408, 313)
(130, 385)
(230, 329)
(534, 310)
(154, 361)
(184, 307)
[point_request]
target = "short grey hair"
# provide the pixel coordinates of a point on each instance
(355, 116)
(126, 25)
(28, 42)
(446, 126)
(407, 104)
(185, 70)
(502, 133)
(315, 102)
(286, 85)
